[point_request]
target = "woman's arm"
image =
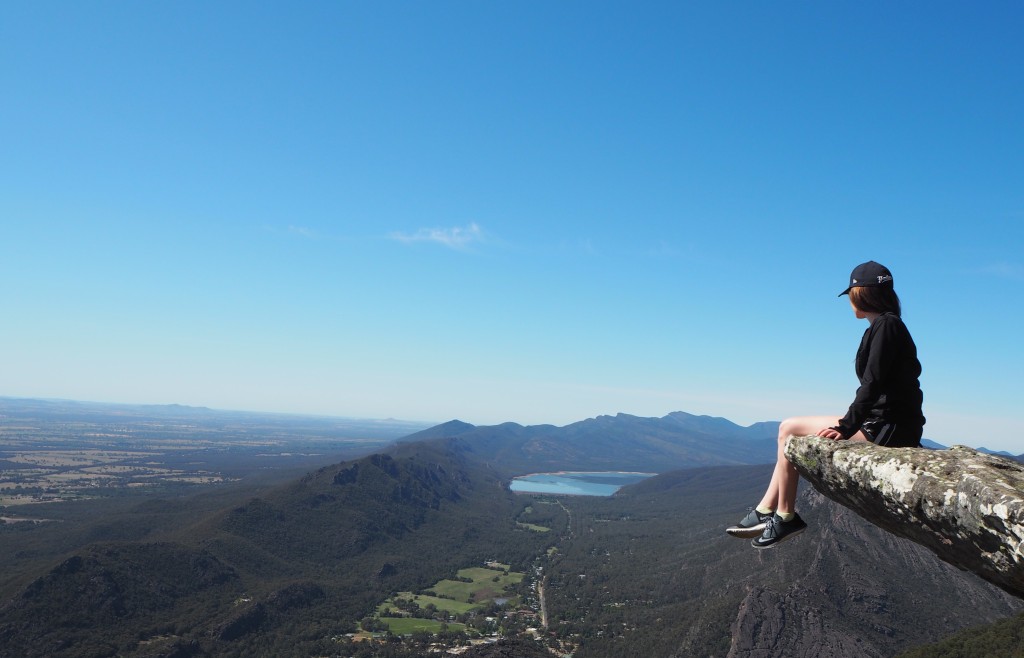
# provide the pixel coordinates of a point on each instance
(882, 348)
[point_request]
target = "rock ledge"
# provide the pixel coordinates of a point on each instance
(966, 506)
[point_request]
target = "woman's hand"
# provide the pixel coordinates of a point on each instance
(830, 433)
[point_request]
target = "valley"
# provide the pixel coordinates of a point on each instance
(479, 606)
(420, 547)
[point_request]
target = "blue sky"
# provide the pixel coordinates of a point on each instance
(534, 212)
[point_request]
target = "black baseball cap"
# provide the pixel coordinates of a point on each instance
(869, 274)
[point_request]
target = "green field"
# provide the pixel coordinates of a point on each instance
(447, 605)
(535, 528)
(487, 585)
(484, 573)
(454, 597)
(408, 625)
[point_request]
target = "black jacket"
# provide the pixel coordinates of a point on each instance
(888, 370)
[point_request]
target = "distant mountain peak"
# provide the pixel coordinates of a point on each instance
(457, 425)
(447, 430)
(1001, 453)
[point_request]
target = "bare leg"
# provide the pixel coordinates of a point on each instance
(781, 493)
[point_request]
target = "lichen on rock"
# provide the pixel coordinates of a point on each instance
(966, 506)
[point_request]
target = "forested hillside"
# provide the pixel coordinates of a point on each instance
(280, 574)
(1003, 638)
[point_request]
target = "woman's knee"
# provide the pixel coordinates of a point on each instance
(789, 427)
(804, 425)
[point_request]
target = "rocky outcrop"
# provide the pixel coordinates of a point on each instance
(966, 506)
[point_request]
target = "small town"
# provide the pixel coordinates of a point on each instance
(482, 606)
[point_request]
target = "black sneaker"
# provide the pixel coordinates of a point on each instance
(750, 525)
(778, 530)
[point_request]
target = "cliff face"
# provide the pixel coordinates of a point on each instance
(966, 506)
(654, 558)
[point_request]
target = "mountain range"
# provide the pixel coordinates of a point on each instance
(614, 443)
(286, 570)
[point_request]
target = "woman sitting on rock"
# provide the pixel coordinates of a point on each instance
(886, 410)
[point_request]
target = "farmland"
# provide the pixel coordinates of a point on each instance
(57, 451)
(451, 604)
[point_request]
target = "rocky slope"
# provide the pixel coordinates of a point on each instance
(850, 590)
(650, 572)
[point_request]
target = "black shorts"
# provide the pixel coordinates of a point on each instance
(892, 435)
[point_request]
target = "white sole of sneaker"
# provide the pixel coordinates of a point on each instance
(746, 533)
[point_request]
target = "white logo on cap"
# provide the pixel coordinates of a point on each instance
(882, 278)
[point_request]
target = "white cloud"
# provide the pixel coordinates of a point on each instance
(301, 231)
(664, 249)
(1005, 270)
(456, 237)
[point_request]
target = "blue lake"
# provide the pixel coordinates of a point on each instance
(574, 483)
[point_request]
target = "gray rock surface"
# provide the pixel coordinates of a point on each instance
(964, 505)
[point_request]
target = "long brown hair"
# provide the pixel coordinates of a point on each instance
(876, 299)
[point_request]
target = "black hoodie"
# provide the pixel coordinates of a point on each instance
(888, 370)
